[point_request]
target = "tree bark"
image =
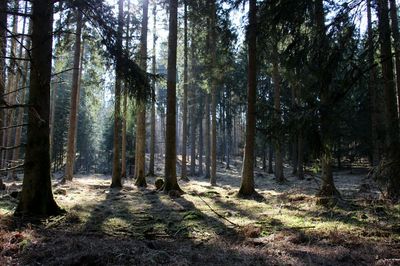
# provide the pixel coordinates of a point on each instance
(207, 136)
(3, 45)
(171, 182)
(391, 113)
(372, 90)
(153, 100)
(185, 97)
(396, 46)
(116, 181)
(73, 114)
(213, 176)
(36, 196)
(300, 155)
(125, 104)
(201, 134)
(295, 135)
(247, 185)
(11, 84)
(328, 189)
(23, 93)
(141, 107)
(192, 107)
(278, 119)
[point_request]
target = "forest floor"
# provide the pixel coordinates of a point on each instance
(207, 225)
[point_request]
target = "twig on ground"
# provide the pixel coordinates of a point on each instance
(218, 214)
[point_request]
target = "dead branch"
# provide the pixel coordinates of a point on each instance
(11, 147)
(14, 126)
(12, 168)
(214, 211)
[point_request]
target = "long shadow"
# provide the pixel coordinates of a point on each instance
(172, 233)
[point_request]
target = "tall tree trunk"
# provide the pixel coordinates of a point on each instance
(192, 106)
(153, 100)
(185, 96)
(396, 44)
(391, 114)
(36, 196)
(3, 45)
(213, 48)
(116, 181)
(201, 135)
(328, 189)
(141, 107)
(171, 182)
(372, 90)
(247, 185)
(208, 136)
(270, 158)
(11, 84)
(295, 135)
(73, 114)
(24, 81)
(300, 154)
(229, 130)
(125, 103)
(278, 119)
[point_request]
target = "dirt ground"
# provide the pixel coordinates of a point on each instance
(207, 225)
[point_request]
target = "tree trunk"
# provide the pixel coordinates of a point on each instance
(3, 45)
(185, 97)
(125, 104)
(208, 136)
(213, 53)
(141, 107)
(247, 185)
(73, 114)
(116, 181)
(278, 120)
(372, 90)
(153, 100)
(23, 93)
(229, 130)
(294, 136)
(300, 154)
(201, 135)
(192, 105)
(36, 196)
(11, 84)
(391, 114)
(396, 44)
(270, 158)
(328, 189)
(171, 182)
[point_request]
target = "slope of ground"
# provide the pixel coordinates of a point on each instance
(207, 225)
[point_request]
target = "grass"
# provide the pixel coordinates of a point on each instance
(207, 225)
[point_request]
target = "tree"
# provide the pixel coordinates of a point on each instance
(213, 53)
(3, 46)
(36, 196)
(328, 189)
(372, 94)
(396, 44)
(116, 174)
(391, 164)
(247, 185)
(140, 156)
(73, 122)
(125, 102)
(276, 77)
(185, 96)
(170, 180)
(153, 100)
